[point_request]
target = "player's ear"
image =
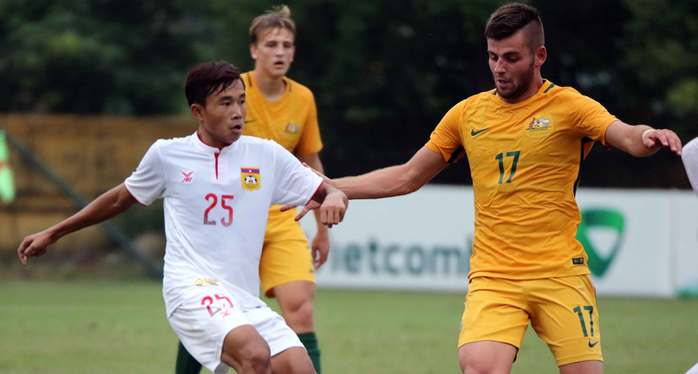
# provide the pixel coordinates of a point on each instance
(198, 111)
(253, 50)
(540, 56)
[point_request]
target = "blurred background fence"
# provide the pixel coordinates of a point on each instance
(89, 85)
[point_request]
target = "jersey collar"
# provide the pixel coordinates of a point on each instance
(547, 85)
(198, 143)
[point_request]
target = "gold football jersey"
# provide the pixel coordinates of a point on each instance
(290, 121)
(525, 161)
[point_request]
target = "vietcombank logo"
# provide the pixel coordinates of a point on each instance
(399, 259)
(605, 220)
(7, 184)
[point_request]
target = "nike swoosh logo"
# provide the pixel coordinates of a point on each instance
(252, 120)
(473, 132)
(592, 345)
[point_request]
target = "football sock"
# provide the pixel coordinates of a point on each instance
(186, 363)
(309, 340)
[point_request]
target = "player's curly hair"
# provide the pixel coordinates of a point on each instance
(278, 17)
(509, 19)
(207, 77)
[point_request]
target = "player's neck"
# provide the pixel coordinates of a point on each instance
(271, 87)
(209, 140)
(532, 90)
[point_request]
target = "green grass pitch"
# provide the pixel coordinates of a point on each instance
(120, 327)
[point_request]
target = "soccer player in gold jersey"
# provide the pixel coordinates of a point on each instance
(525, 141)
(282, 110)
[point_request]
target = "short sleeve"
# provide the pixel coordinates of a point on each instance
(446, 138)
(148, 182)
(592, 119)
(294, 184)
(310, 141)
(689, 155)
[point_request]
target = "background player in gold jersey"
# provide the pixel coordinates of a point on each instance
(525, 141)
(283, 110)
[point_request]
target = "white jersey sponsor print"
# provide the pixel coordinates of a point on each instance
(216, 207)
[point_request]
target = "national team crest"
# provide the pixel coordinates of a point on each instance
(292, 128)
(538, 127)
(250, 178)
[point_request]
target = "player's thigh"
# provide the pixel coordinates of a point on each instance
(296, 300)
(566, 316)
(494, 311)
(203, 321)
(293, 360)
(285, 256)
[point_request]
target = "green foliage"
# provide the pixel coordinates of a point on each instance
(383, 72)
(125, 57)
(660, 42)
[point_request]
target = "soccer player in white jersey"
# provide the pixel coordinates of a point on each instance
(217, 187)
(690, 161)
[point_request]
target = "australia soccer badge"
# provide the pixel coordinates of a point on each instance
(250, 178)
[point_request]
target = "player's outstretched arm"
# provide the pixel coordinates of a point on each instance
(110, 204)
(690, 162)
(395, 180)
(641, 140)
(391, 181)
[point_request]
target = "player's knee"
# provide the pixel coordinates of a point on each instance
(304, 312)
(480, 366)
(298, 310)
(255, 357)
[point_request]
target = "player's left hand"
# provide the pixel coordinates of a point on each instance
(320, 247)
(662, 138)
(34, 246)
(311, 205)
(333, 208)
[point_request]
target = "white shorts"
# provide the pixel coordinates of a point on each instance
(209, 313)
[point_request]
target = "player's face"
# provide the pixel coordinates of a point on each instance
(222, 120)
(274, 52)
(514, 66)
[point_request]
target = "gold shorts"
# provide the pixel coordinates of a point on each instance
(285, 254)
(562, 311)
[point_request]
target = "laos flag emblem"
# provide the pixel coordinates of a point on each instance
(250, 178)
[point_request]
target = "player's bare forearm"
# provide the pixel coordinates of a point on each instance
(641, 140)
(395, 180)
(313, 160)
(108, 205)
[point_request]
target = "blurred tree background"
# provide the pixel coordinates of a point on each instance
(383, 72)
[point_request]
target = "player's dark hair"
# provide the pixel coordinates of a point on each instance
(509, 19)
(207, 77)
(277, 18)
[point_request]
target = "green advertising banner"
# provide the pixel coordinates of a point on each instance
(600, 218)
(7, 184)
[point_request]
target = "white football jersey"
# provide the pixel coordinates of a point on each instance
(690, 161)
(216, 207)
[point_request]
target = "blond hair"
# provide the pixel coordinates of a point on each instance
(277, 17)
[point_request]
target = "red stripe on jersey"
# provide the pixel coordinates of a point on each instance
(216, 154)
(314, 193)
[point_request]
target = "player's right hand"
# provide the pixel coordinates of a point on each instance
(333, 208)
(34, 246)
